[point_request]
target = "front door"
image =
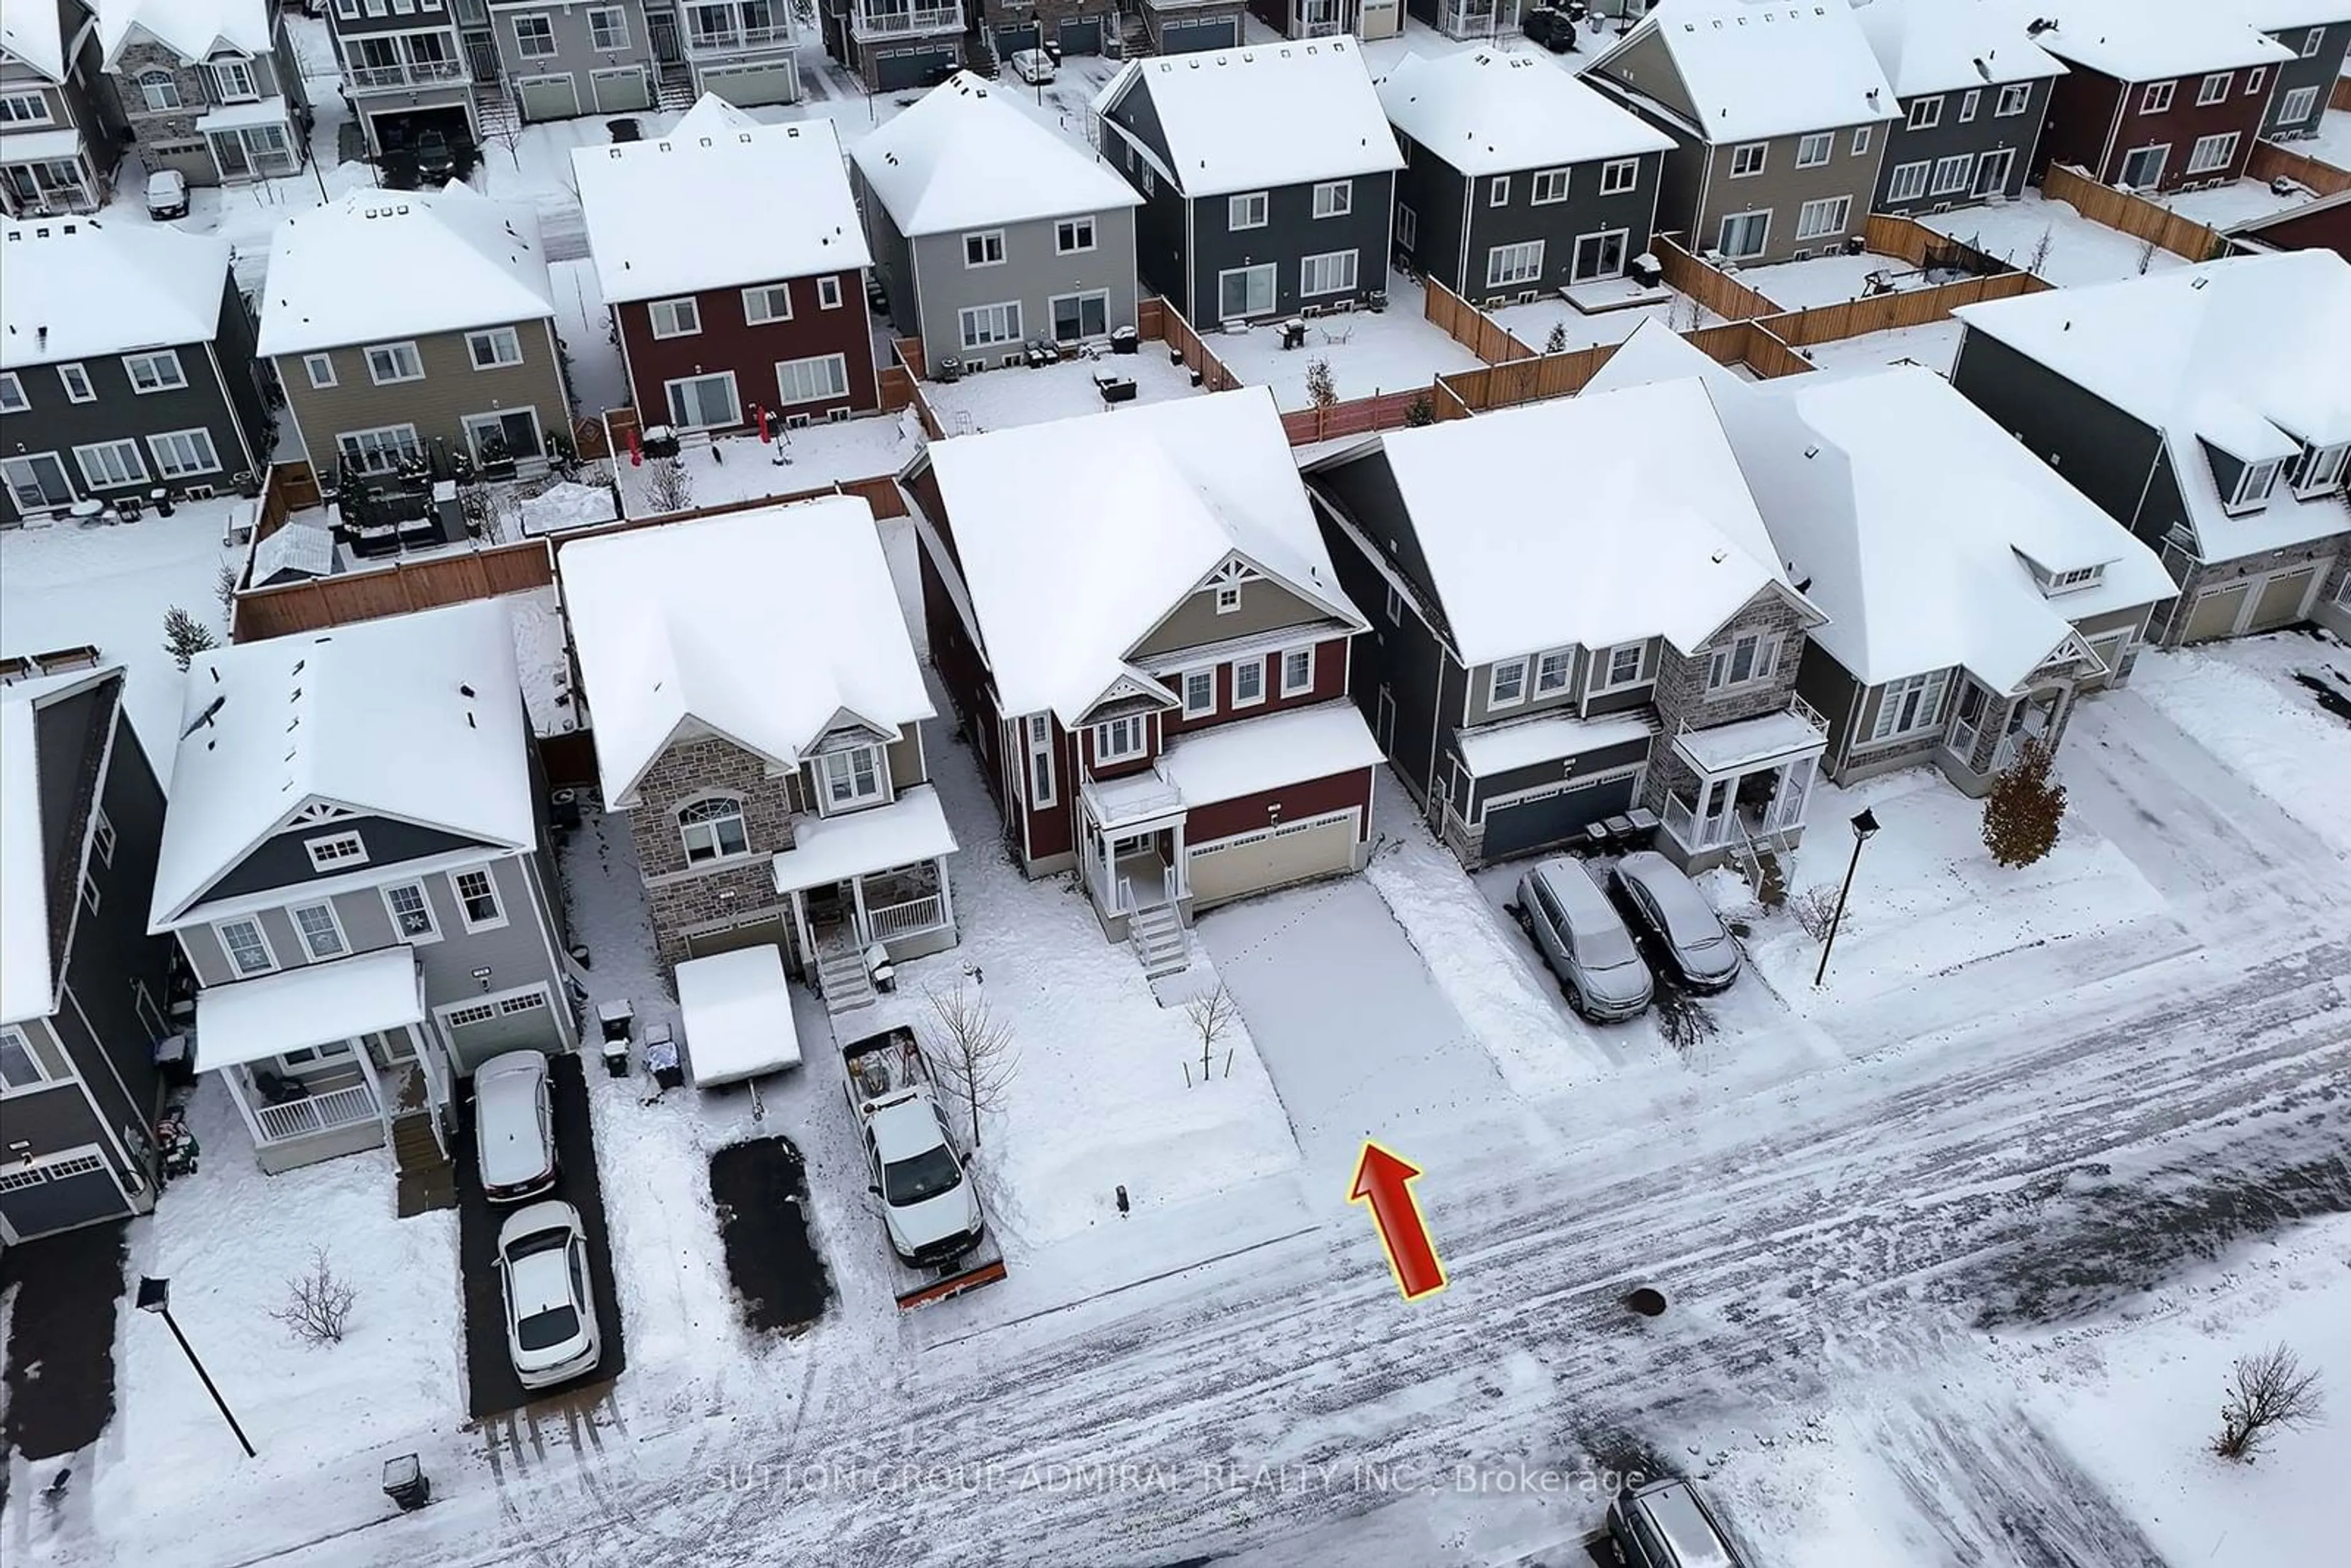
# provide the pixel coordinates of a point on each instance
(1714, 805)
(37, 481)
(1599, 255)
(1968, 727)
(229, 152)
(1991, 172)
(661, 26)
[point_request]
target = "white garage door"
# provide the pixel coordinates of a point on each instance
(1252, 863)
(513, 1020)
(747, 87)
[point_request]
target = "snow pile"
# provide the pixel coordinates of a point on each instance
(2241, 702)
(566, 506)
(543, 660)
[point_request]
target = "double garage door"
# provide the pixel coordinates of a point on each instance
(897, 69)
(1186, 37)
(523, 1019)
(1538, 819)
(767, 930)
(59, 1192)
(749, 87)
(1252, 863)
(2255, 604)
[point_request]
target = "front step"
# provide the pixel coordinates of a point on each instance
(1159, 942)
(427, 1182)
(843, 982)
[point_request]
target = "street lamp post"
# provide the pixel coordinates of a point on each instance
(155, 1296)
(1863, 825)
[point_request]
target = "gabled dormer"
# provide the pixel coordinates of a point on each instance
(847, 768)
(2071, 576)
(2246, 462)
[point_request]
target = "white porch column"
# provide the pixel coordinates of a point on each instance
(864, 926)
(1182, 870)
(376, 1084)
(946, 894)
(235, 1078)
(801, 928)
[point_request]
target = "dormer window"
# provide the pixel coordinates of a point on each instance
(2068, 580)
(2321, 468)
(340, 852)
(233, 78)
(851, 778)
(2254, 484)
(1121, 739)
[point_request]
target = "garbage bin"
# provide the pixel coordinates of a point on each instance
(880, 969)
(406, 1483)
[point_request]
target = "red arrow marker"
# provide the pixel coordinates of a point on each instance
(1383, 1181)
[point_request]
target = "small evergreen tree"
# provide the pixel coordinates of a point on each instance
(1321, 389)
(1420, 411)
(2024, 812)
(1557, 342)
(184, 636)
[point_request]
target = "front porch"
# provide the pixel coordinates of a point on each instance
(863, 878)
(1131, 847)
(1739, 792)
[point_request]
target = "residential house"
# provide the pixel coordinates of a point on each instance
(126, 366)
(1303, 19)
(377, 368)
(1518, 179)
(355, 864)
(1558, 643)
(893, 45)
(2206, 410)
(718, 320)
(1268, 177)
(1150, 655)
(406, 70)
(210, 87)
(2158, 94)
(560, 59)
(1779, 112)
(83, 987)
(1469, 18)
(60, 132)
(1191, 26)
(988, 231)
(2317, 35)
(744, 51)
(759, 715)
(1073, 27)
(1970, 91)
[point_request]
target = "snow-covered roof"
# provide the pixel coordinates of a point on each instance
(311, 1004)
(826, 850)
(2276, 16)
(381, 265)
(1655, 352)
(1486, 112)
(1227, 761)
(28, 980)
(761, 626)
(1756, 69)
(2245, 351)
(1928, 46)
(79, 287)
(1264, 115)
(1507, 747)
(967, 154)
(2149, 40)
(784, 190)
(1076, 538)
(417, 717)
(193, 28)
(34, 34)
(737, 1013)
(305, 549)
(1909, 509)
(1594, 520)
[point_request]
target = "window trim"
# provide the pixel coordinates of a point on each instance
(692, 307)
(162, 470)
(313, 363)
(759, 304)
(857, 798)
(1762, 244)
(153, 358)
(1104, 756)
(39, 99)
(12, 1034)
(2287, 113)
(1081, 296)
(1184, 679)
(124, 443)
(1495, 700)
(1302, 687)
(1762, 151)
(1036, 747)
(1969, 101)
(720, 854)
(1952, 174)
(1498, 191)
(986, 239)
(403, 450)
(1764, 665)
(1308, 264)
(326, 858)
(1558, 180)
(619, 12)
(522, 47)
(1239, 206)
(1566, 682)
(2312, 41)
(457, 892)
(1333, 198)
(228, 953)
(432, 932)
(1840, 206)
(828, 293)
(1272, 271)
(497, 337)
(1908, 182)
(1934, 686)
(73, 372)
(785, 400)
(2316, 458)
(2014, 98)
(1012, 318)
(1070, 245)
(372, 349)
(1530, 271)
(1924, 113)
(2227, 141)
(1609, 176)
(12, 393)
(1228, 598)
(2247, 496)
(2148, 99)
(294, 912)
(1826, 140)
(157, 84)
(1603, 680)
(2214, 88)
(1263, 688)
(1860, 140)
(101, 835)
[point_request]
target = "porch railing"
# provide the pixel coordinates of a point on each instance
(717, 40)
(921, 19)
(316, 1113)
(415, 73)
(900, 919)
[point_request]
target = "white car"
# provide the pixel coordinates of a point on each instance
(167, 195)
(514, 1126)
(1033, 66)
(552, 1331)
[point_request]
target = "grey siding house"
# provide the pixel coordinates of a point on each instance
(977, 261)
(156, 390)
(1518, 179)
(1191, 26)
(60, 132)
(368, 928)
(560, 60)
(407, 71)
(1971, 92)
(1778, 127)
(84, 989)
(2227, 457)
(2318, 33)
(741, 50)
(215, 92)
(894, 45)
(1267, 178)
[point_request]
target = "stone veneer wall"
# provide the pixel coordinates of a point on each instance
(680, 897)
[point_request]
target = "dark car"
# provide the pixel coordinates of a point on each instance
(1665, 1524)
(436, 158)
(1554, 30)
(1696, 943)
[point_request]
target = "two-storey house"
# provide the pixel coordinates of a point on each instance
(988, 231)
(718, 321)
(1779, 114)
(741, 50)
(1518, 179)
(2316, 33)
(210, 87)
(1073, 27)
(1556, 644)
(1468, 18)
(378, 368)
(561, 58)
(355, 865)
(2157, 94)
(84, 989)
(1971, 92)
(60, 132)
(1192, 26)
(2206, 410)
(126, 366)
(406, 70)
(1151, 656)
(760, 716)
(1267, 178)
(1302, 19)
(893, 45)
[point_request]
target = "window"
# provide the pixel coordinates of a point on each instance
(1968, 103)
(2076, 577)
(101, 837)
(1619, 176)
(159, 90)
(24, 108)
(392, 362)
(1909, 181)
(1745, 234)
(1505, 683)
(770, 302)
(494, 350)
(233, 80)
(1823, 217)
(2321, 470)
(1554, 671)
(19, 1068)
(379, 450)
(2312, 41)
(477, 899)
(1245, 211)
(1907, 706)
(180, 452)
(2254, 484)
(111, 464)
(1199, 693)
(1248, 683)
(1395, 607)
(2156, 98)
(812, 380)
(1625, 664)
(1408, 226)
(2214, 87)
(1150, 182)
(675, 317)
(338, 852)
(247, 949)
(1331, 273)
(1498, 191)
(1040, 731)
(703, 402)
(1550, 186)
(1245, 291)
(984, 249)
(851, 776)
(1860, 140)
(2211, 153)
(1121, 739)
(1071, 235)
(1925, 113)
(507, 436)
(1076, 317)
(321, 933)
(89, 895)
(1814, 150)
(1510, 264)
(77, 384)
(1599, 255)
(1228, 598)
(411, 911)
(2255, 79)
(1748, 160)
(1951, 174)
(12, 393)
(320, 367)
(2296, 105)
(2014, 98)
(1751, 658)
(1297, 672)
(985, 324)
(534, 37)
(1334, 198)
(713, 829)
(2143, 168)
(608, 28)
(827, 294)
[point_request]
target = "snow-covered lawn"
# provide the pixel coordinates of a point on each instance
(1532, 324)
(600, 381)
(2080, 251)
(1828, 279)
(1015, 394)
(2332, 142)
(2224, 206)
(744, 468)
(542, 657)
(1395, 349)
(2246, 703)
(1935, 346)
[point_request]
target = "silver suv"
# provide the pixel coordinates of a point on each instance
(1584, 941)
(1665, 1524)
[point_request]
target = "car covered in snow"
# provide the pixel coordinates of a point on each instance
(930, 1207)
(552, 1335)
(1696, 942)
(167, 195)
(1583, 940)
(514, 1126)
(1667, 1524)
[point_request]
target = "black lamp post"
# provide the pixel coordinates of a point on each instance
(155, 1296)
(1863, 825)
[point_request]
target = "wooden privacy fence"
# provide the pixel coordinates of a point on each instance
(2133, 216)
(1709, 286)
(2269, 160)
(1186, 348)
(2341, 98)
(1470, 326)
(1356, 416)
(1886, 234)
(1892, 312)
(393, 590)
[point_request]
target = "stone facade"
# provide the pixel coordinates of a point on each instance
(2195, 577)
(1680, 694)
(167, 139)
(682, 898)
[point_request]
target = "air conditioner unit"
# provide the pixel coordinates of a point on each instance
(795, 422)
(836, 416)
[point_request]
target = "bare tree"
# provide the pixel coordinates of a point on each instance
(668, 486)
(2024, 812)
(318, 1304)
(971, 1050)
(506, 132)
(2266, 1390)
(1322, 388)
(2147, 249)
(225, 590)
(2039, 257)
(184, 636)
(1212, 1014)
(1813, 908)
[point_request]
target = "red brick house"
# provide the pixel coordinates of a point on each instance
(1139, 624)
(730, 255)
(2158, 95)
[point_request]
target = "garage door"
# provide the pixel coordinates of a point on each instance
(59, 1192)
(2281, 599)
(546, 98)
(1184, 37)
(908, 68)
(514, 1020)
(1531, 822)
(1252, 863)
(1010, 41)
(749, 87)
(753, 931)
(620, 88)
(2215, 612)
(1081, 35)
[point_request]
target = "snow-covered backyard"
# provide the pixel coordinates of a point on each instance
(717, 471)
(2080, 251)
(1018, 394)
(1532, 324)
(1395, 349)
(2332, 142)
(1833, 279)
(1935, 346)
(2225, 206)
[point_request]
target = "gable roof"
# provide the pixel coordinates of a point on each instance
(76, 288)
(1655, 352)
(1142, 506)
(381, 265)
(193, 28)
(2276, 16)
(418, 718)
(32, 948)
(784, 190)
(34, 34)
(1490, 114)
(2148, 40)
(759, 626)
(1759, 68)
(967, 155)
(1263, 116)
(1927, 47)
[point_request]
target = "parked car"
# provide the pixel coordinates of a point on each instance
(514, 1126)
(1696, 942)
(1583, 940)
(167, 195)
(1665, 1524)
(1033, 66)
(929, 1206)
(551, 1330)
(1554, 30)
(436, 157)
